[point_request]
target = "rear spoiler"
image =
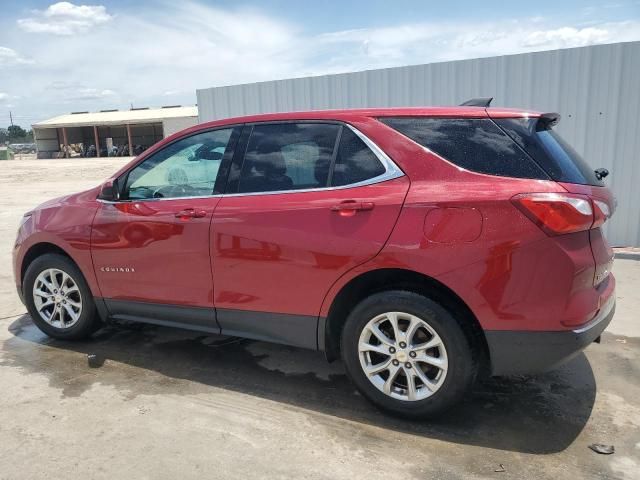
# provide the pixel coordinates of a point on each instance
(548, 120)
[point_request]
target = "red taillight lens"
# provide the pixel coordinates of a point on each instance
(557, 213)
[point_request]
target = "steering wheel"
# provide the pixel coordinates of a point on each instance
(174, 191)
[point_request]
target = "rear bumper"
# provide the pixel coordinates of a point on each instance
(528, 352)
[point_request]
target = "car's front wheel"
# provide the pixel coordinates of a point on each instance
(58, 298)
(407, 354)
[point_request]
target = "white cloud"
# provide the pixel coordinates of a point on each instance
(4, 97)
(92, 94)
(429, 42)
(74, 91)
(10, 58)
(566, 36)
(162, 54)
(64, 18)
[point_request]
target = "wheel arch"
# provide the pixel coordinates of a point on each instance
(379, 280)
(37, 250)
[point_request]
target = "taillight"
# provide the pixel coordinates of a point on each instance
(557, 213)
(601, 212)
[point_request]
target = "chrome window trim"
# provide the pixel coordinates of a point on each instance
(392, 171)
(136, 200)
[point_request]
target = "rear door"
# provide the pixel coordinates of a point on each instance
(151, 249)
(306, 203)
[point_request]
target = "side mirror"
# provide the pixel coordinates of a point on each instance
(110, 191)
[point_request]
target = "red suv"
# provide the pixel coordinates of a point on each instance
(422, 245)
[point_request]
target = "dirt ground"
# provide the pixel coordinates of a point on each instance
(175, 404)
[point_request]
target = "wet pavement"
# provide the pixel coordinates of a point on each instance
(290, 412)
(164, 403)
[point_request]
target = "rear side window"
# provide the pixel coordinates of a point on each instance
(355, 162)
(553, 154)
(301, 156)
(474, 144)
(288, 156)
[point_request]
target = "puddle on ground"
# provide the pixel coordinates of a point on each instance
(144, 359)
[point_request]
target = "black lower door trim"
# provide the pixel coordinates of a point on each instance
(192, 318)
(296, 330)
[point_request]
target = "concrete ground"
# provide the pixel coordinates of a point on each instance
(175, 404)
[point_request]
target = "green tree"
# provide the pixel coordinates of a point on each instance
(16, 132)
(4, 136)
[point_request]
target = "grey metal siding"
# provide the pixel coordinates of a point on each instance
(596, 89)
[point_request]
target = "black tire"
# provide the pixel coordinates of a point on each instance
(461, 371)
(87, 323)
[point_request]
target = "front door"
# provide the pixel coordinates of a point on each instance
(151, 249)
(307, 203)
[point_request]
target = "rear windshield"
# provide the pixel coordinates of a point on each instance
(476, 144)
(549, 150)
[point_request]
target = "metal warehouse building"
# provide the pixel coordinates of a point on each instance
(596, 89)
(131, 130)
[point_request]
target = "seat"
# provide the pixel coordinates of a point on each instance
(265, 171)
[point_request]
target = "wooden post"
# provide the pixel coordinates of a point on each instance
(95, 135)
(129, 140)
(66, 143)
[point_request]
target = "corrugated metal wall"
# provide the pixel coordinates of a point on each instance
(596, 89)
(173, 125)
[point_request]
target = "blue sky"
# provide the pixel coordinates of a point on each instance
(57, 57)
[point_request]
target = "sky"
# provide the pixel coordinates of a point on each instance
(58, 57)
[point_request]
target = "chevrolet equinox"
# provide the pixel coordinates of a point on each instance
(423, 246)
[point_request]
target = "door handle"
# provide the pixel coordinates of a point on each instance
(188, 213)
(349, 208)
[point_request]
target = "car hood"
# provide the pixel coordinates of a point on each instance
(83, 197)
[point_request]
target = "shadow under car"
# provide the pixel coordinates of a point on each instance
(529, 414)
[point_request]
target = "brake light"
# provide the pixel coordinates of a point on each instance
(557, 213)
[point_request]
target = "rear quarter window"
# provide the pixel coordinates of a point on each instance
(478, 145)
(561, 162)
(355, 162)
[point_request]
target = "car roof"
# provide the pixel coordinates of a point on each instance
(347, 114)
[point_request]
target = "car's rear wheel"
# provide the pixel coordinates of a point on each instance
(58, 298)
(407, 354)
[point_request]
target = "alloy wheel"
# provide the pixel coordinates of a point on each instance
(403, 356)
(57, 298)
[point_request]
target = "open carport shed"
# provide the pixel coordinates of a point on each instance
(134, 130)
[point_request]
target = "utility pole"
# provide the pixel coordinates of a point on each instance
(11, 118)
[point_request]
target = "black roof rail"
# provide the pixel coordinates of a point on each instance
(478, 102)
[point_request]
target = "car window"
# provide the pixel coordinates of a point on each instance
(288, 156)
(474, 144)
(186, 168)
(355, 162)
(550, 150)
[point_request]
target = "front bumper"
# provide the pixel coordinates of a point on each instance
(528, 352)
